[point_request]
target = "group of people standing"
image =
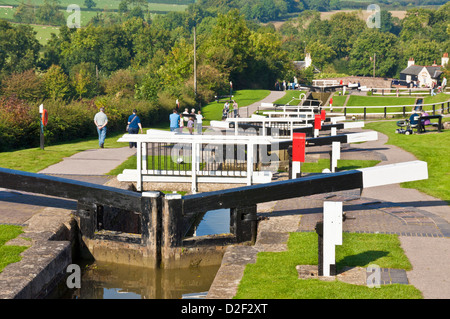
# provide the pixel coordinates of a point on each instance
(227, 109)
(177, 122)
(134, 125)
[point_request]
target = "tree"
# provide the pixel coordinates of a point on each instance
(319, 5)
(48, 13)
(424, 52)
(90, 4)
(345, 28)
(178, 65)
(84, 80)
(321, 54)
(415, 25)
(56, 83)
(19, 49)
(269, 61)
(25, 13)
(228, 46)
(25, 85)
(373, 42)
(123, 7)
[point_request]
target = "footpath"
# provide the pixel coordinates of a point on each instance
(422, 222)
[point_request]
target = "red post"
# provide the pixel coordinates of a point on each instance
(323, 115)
(317, 122)
(298, 147)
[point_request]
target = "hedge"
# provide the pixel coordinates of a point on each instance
(20, 124)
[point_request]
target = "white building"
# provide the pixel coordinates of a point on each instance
(424, 75)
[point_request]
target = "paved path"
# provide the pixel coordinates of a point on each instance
(91, 162)
(246, 111)
(421, 221)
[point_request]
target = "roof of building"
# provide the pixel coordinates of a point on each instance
(302, 65)
(435, 71)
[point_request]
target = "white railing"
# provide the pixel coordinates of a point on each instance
(325, 83)
(190, 149)
(401, 91)
(405, 109)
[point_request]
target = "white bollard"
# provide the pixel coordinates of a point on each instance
(332, 233)
(335, 155)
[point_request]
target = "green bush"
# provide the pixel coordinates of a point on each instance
(20, 122)
(16, 122)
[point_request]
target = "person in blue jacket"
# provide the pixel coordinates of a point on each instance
(174, 120)
(134, 124)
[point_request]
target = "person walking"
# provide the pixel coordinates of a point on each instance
(134, 124)
(101, 120)
(199, 120)
(235, 108)
(174, 120)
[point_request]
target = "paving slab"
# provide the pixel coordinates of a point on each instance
(91, 162)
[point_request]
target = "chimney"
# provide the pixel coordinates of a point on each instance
(308, 60)
(410, 62)
(444, 59)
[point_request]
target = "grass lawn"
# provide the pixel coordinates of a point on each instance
(433, 148)
(292, 97)
(213, 110)
(9, 254)
(154, 162)
(274, 275)
(357, 100)
(343, 165)
(339, 100)
(34, 159)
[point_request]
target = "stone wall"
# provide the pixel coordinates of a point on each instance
(364, 81)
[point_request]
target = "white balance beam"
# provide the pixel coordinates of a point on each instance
(394, 173)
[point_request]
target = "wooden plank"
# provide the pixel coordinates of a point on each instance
(71, 189)
(251, 195)
(394, 173)
(305, 186)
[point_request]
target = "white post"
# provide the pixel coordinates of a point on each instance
(144, 156)
(194, 167)
(335, 155)
(295, 169)
(139, 166)
(333, 131)
(332, 233)
(250, 160)
(316, 132)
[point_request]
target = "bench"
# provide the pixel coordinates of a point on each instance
(421, 127)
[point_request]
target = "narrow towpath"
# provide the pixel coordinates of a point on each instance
(246, 111)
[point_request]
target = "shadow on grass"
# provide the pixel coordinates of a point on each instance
(361, 259)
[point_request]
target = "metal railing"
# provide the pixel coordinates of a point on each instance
(384, 111)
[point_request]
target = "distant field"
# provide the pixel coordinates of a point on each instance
(363, 14)
(44, 31)
(104, 4)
